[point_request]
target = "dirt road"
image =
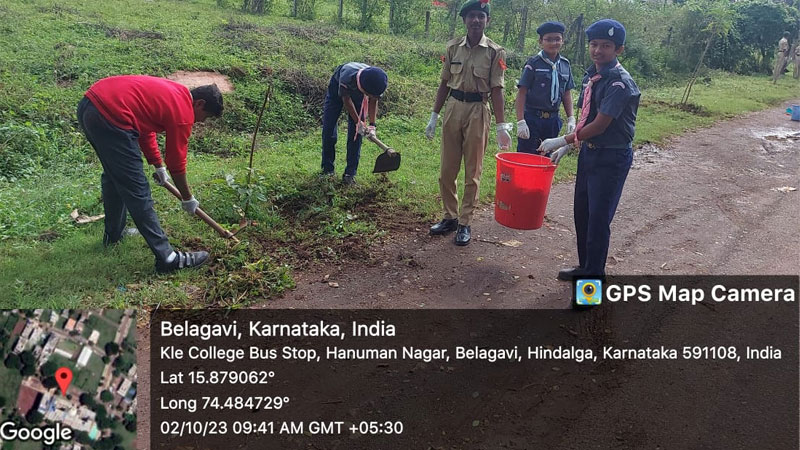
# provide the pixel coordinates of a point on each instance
(708, 202)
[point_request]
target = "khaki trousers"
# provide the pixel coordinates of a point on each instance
(465, 133)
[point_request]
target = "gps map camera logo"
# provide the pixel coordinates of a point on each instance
(588, 292)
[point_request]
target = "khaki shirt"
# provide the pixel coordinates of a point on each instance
(783, 46)
(474, 69)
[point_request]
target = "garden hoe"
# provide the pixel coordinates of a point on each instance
(387, 161)
(205, 217)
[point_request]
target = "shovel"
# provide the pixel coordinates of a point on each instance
(388, 161)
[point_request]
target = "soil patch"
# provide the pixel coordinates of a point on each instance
(194, 79)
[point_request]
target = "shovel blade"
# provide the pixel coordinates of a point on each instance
(387, 162)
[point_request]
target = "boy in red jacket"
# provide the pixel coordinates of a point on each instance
(120, 117)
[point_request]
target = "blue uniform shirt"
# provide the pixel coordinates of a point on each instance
(537, 76)
(345, 77)
(616, 95)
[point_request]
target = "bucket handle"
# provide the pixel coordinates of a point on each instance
(523, 164)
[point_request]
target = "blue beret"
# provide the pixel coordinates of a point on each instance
(374, 81)
(480, 5)
(607, 29)
(551, 27)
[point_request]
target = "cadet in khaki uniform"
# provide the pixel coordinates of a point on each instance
(797, 61)
(782, 59)
(471, 76)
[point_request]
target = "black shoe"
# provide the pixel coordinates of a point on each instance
(462, 235)
(444, 226)
(571, 273)
(183, 260)
(348, 180)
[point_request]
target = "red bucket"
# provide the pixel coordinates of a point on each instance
(522, 189)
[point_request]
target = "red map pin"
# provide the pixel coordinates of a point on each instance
(64, 378)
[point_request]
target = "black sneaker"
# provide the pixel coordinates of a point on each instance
(571, 273)
(348, 180)
(183, 260)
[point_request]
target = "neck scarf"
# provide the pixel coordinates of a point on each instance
(554, 78)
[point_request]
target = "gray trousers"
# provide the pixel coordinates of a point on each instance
(124, 184)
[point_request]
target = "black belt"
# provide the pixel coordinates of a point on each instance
(593, 146)
(545, 114)
(466, 96)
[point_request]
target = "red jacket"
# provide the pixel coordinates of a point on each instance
(149, 105)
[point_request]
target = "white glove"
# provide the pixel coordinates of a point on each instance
(548, 145)
(190, 206)
(361, 128)
(570, 124)
(161, 176)
(503, 138)
(522, 130)
(371, 131)
(556, 156)
(430, 130)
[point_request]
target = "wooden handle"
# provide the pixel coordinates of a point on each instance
(380, 144)
(202, 215)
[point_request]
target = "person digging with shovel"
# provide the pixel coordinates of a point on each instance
(351, 84)
(120, 117)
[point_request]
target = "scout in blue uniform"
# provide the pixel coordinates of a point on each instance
(609, 102)
(355, 87)
(546, 83)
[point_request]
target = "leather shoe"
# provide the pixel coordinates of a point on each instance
(444, 226)
(463, 235)
(571, 273)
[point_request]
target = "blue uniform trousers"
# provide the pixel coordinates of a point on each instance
(598, 186)
(331, 110)
(540, 129)
(125, 187)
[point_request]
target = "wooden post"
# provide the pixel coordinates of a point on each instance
(341, 8)
(427, 22)
(522, 29)
(391, 15)
(294, 8)
(454, 12)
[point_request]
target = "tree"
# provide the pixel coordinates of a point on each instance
(12, 361)
(87, 400)
(48, 369)
(27, 358)
(34, 417)
(719, 14)
(761, 23)
(49, 382)
(2, 401)
(111, 349)
(106, 396)
(28, 370)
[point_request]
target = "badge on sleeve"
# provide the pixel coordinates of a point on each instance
(502, 64)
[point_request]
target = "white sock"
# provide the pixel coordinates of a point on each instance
(171, 257)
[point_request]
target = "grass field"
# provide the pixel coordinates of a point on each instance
(107, 330)
(86, 378)
(9, 385)
(56, 51)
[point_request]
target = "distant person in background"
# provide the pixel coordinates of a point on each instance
(545, 84)
(120, 117)
(356, 87)
(797, 61)
(782, 58)
(472, 76)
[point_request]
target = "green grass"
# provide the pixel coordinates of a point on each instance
(70, 347)
(86, 378)
(107, 330)
(55, 51)
(9, 385)
(114, 315)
